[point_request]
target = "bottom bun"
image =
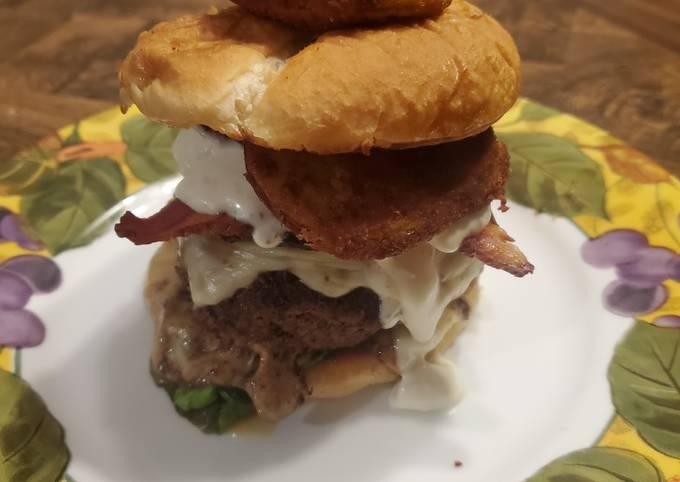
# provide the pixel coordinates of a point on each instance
(348, 371)
(340, 373)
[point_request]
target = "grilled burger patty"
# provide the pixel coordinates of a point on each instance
(261, 338)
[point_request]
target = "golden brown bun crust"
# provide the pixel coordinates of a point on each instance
(325, 15)
(185, 72)
(336, 376)
(397, 86)
(346, 372)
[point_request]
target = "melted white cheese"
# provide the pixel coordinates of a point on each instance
(415, 288)
(213, 182)
(449, 240)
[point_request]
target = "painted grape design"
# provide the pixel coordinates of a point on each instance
(613, 248)
(570, 184)
(640, 269)
(11, 230)
(20, 278)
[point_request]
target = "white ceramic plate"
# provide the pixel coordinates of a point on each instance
(534, 359)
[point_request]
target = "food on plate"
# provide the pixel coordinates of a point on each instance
(322, 14)
(334, 213)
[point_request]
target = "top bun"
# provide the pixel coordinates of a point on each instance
(325, 15)
(254, 79)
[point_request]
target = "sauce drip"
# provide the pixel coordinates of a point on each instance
(213, 182)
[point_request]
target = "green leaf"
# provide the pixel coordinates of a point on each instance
(211, 409)
(232, 394)
(19, 174)
(235, 407)
(551, 174)
(149, 148)
(645, 379)
(63, 206)
(32, 447)
(535, 112)
(599, 464)
(191, 398)
(74, 137)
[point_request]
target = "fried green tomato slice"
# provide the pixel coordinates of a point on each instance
(357, 206)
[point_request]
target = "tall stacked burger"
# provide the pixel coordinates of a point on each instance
(338, 165)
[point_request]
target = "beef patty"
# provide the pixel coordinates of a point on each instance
(260, 338)
(281, 311)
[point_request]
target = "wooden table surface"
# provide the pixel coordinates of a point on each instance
(615, 63)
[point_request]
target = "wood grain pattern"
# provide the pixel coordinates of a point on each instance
(616, 64)
(583, 59)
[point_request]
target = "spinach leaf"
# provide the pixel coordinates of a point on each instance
(194, 398)
(212, 409)
(235, 406)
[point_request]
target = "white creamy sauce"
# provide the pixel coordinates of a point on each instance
(427, 382)
(415, 288)
(213, 182)
(449, 240)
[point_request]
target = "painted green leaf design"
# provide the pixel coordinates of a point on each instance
(551, 174)
(149, 144)
(32, 447)
(533, 111)
(645, 379)
(81, 191)
(19, 174)
(599, 464)
(74, 137)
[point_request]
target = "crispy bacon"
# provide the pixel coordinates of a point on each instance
(178, 219)
(493, 247)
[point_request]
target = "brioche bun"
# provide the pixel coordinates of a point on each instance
(338, 375)
(397, 86)
(324, 15)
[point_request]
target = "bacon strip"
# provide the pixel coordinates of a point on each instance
(178, 219)
(493, 247)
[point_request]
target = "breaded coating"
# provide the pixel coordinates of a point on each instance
(370, 207)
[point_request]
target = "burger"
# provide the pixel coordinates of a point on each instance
(338, 166)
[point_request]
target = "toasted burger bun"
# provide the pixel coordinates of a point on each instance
(337, 375)
(253, 79)
(346, 372)
(324, 15)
